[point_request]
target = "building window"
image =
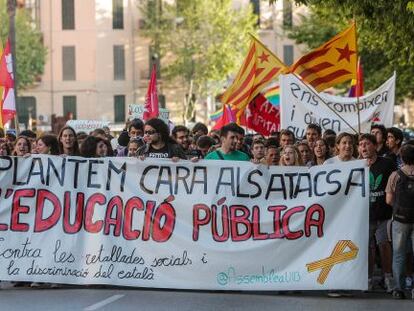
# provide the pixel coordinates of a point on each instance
(69, 107)
(119, 108)
(288, 54)
(119, 62)
(33, 9)
(256, 10)
(68, 63)
(26, 109)
(161, 100)
(287, 13)
(68, 14)
(117, 14)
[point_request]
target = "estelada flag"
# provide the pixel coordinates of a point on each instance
(259, 68)
(151, 109)
(8, 102)
(332, 63)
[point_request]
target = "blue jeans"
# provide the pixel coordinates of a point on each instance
(401, 233)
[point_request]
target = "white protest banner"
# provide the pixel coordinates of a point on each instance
(300, 107)
(137, 111)
(219, 225)
(86, 126)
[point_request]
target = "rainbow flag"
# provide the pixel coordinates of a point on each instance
(216, 115)
(273, 95)
(357, 85)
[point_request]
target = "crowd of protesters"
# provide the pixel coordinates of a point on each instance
(389, 157)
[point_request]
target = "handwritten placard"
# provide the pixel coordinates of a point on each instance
(137, 111)
(301, 105)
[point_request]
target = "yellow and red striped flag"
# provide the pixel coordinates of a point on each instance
(332, 63)
(259, 68)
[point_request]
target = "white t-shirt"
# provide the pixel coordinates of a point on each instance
(335, 160)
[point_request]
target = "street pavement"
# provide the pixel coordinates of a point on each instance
(123, 299)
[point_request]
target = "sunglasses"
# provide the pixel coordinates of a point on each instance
(150, 132)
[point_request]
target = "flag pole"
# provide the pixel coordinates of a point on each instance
(357, 94)
(356, 71)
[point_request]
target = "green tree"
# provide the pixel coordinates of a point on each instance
(385, 36)
(30, 51)
(200, 43)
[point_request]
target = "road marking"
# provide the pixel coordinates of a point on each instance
(104, 302)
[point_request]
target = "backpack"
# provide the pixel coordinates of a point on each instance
(404, 198)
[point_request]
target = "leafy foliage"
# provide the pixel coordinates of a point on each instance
(30, 51)
(385, 36)
(200, 42)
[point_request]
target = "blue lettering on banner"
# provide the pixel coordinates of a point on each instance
(272, 276)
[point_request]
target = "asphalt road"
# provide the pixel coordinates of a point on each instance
(122, 299)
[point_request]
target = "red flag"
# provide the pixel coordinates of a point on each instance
(226, 118)
(262, 116)
(151, 109)
(8, 102)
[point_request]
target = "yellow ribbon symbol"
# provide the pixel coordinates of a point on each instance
(337, 256)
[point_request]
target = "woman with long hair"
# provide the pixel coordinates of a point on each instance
(22, 147)
(321, 152)
(344, 146)
(109, 151)
(290, 156)
(68, 144)
(93, 147)
(47, 144)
